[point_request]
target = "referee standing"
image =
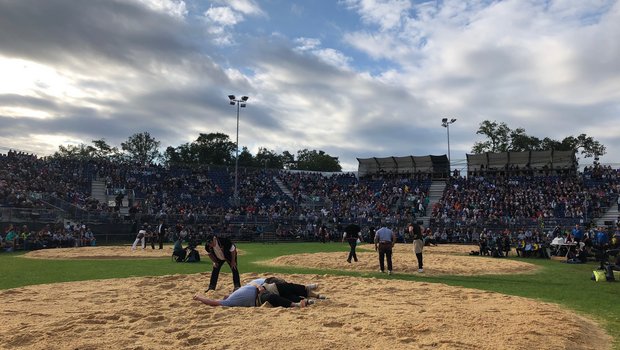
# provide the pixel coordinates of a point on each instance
(384, 242)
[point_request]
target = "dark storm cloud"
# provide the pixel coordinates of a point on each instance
(15, 100)
(140, 70)
(76, 33)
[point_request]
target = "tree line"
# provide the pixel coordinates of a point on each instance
(500, 138)
(218, 149)
(207, 149)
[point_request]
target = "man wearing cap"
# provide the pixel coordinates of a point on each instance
(384, 242)
(221, 250)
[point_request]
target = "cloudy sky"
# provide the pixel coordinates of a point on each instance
(355, 78)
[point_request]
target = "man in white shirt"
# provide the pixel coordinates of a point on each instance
(140, 239)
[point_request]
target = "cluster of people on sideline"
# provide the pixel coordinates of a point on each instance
(15, 237)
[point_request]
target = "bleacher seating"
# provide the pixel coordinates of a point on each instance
(203, 196)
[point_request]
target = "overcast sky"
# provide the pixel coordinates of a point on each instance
(354, 78)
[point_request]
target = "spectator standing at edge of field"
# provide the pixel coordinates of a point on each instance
(352, 235)
(577, 233)
(323, 234)
(385, 239)
(418, 243)
(221, 250)
(161, 232)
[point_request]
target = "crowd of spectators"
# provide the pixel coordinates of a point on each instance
(22, 174)
(69, 235)
(294, 205)
(518, 201)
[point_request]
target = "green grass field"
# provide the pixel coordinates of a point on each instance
(567, 285)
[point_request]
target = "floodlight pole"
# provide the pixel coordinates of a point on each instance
(446, 124)
(240, 103)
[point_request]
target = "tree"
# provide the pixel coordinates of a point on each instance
(246, 158)
(500, 138)
(214, 148)
(288, 160)
(102, 150)
(81, 152)
(141, 148)
(316, 161)
(99, 150)
(268, 159)
(171, 156)
(521, 142)
(589, 147)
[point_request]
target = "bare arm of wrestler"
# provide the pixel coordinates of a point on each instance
(206, 301)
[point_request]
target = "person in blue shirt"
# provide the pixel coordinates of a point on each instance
(577, 233)
(384, 242)
(256, 293)
(601, 239)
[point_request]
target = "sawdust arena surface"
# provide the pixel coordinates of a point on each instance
(107, 252)
(439, 260)
(159, 313)
(361, 313)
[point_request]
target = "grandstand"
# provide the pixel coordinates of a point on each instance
(503, 191)
(522, 163)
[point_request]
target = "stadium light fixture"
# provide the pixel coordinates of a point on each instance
(446, 124)
(241, 103)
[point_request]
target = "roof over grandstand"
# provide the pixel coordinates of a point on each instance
(529, 159)
(403, 164)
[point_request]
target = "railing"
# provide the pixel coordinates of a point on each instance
(19, 215)
(72, 211)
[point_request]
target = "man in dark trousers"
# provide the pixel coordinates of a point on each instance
(418, 243)
(161, 233)
(384, 242)
(221, 250)
(352, 234)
